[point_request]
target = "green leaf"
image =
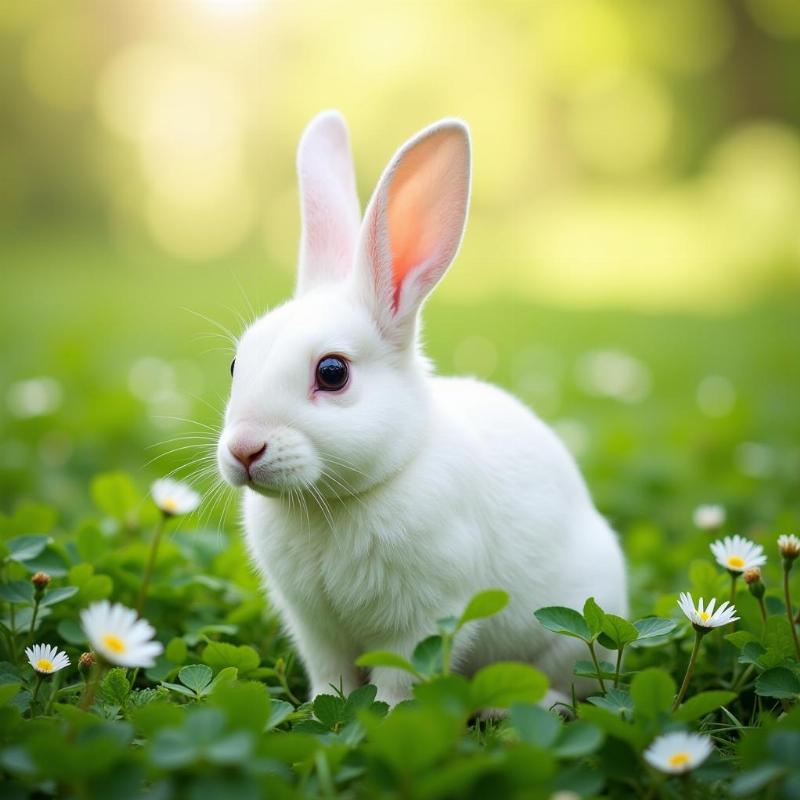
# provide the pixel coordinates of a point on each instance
(613, 725)
(411, 739)
(92, 543)
(702, 704)
(115, 494)
(652, 692)
(740, 638)
(279, 710)
(24, 548)
(448, 692)
(578, 738)
(566, 621)
(383, 658)
(617, 632)
(176, 650)
(8, 691)
(778, 636)
(506, 682)
(652, 631)
(70, 631)
(172, 748)
(484, 604)
(594, 616)
(535, 725)
(751, 652)
(224, 677)
(23, 617)
(219, 655)
(363, 697)
(196, 677)
(778, 682)
(177, 687)
(586, 669)
(427, 657)
(618, 701)
(246, 704)
(114, 689)
(50, 560)
(17, 592)
(53, 596)
(234, 748)
(329, 709)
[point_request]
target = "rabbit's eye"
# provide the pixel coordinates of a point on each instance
(331, 373)
(233, 364)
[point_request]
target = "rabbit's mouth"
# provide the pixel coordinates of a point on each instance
(268, 460)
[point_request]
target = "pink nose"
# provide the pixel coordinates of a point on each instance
(246, 452)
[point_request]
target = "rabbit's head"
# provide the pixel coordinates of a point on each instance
(329, 390)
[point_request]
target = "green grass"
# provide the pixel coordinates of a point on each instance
(84, 315)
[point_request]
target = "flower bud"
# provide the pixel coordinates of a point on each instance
(752, 577)
(789, 545)
(86, 662)
(40, 581)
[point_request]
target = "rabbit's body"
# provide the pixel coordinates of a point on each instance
(385, 504)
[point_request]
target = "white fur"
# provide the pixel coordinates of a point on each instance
(377, 510)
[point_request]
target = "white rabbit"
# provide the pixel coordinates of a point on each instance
(379, 497)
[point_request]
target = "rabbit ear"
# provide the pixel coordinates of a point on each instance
(328, 202)
(413, 225)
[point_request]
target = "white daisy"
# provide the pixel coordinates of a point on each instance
(46, 659)
(173, 497)
(737, 554)
(706, 617)
(789, 545)
(678, 752)
(118, 636)
(709, 517)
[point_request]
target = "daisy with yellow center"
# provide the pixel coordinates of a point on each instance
(173, 497)
(737, 554)
(118, 637)
(678, 752)
(704, 616)
(46, 659)
(703, 619)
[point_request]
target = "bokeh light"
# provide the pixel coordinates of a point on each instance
(636, 154)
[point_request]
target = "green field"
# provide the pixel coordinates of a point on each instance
(110, 359)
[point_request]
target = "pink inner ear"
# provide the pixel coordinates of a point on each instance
(426, 207)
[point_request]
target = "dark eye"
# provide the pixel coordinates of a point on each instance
(331, 373)
(233, 364)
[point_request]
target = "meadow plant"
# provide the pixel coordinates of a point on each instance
(207, 697)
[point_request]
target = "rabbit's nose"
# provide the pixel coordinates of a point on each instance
(247, 452)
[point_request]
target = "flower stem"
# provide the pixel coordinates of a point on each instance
(734, 576)
(619, 664)
(689, 670)
(92, 682)
(763, 609)
(39, 681)
(151, 562)
(789, 612)
(447, 646)
(596, 667)
(33, 618)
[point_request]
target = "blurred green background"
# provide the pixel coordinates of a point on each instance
(631, 265)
